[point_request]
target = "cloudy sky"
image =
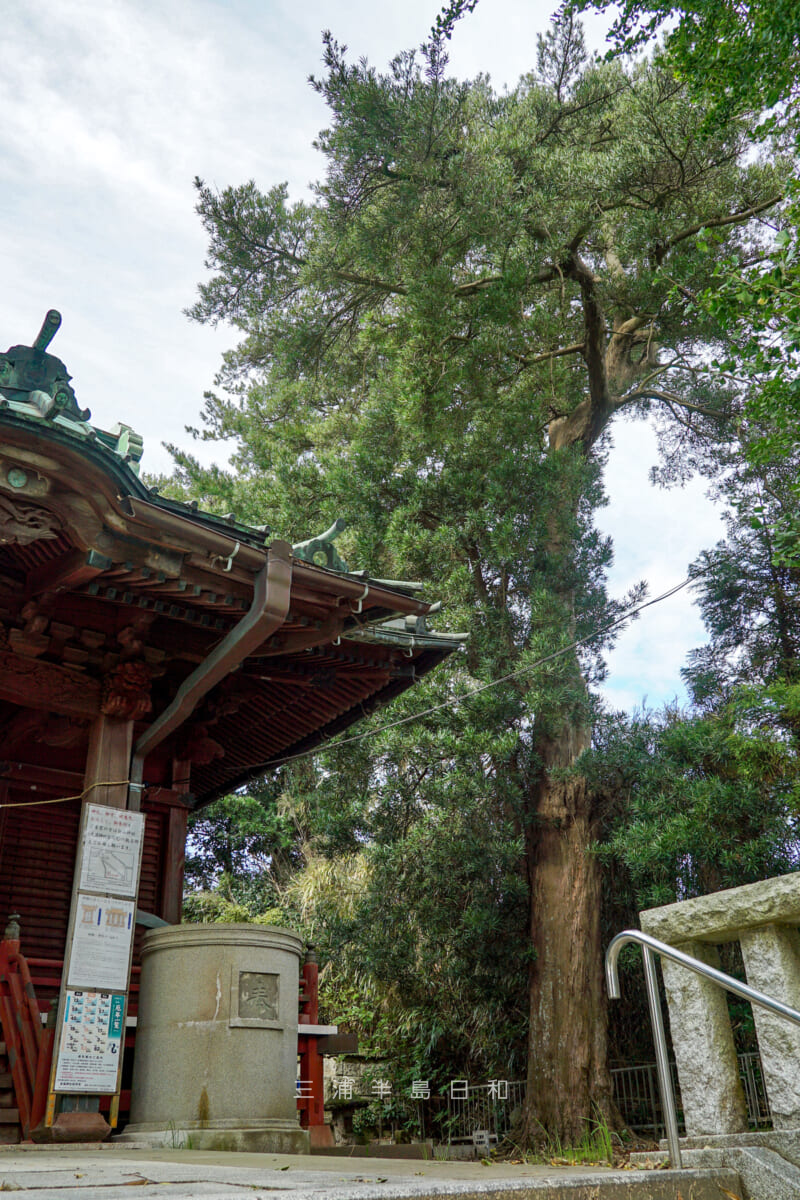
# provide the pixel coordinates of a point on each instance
(110, 108)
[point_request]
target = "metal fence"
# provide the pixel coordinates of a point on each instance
(637, 1097)
(485, 1111)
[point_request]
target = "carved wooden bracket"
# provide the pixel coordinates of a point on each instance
(197, 746)
(126, 691)
(23, 523)
(31, 683)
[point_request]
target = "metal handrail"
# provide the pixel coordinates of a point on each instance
(650, 944)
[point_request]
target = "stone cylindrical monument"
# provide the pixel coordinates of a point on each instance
(216, 1041)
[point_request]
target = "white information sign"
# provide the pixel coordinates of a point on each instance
(112, 844)
(101, 942)
(90, 1046)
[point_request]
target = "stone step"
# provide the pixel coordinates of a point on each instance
(5, 1080)
(785, 1142)
(187, 1177)
(9, 1116)
(765, 1174)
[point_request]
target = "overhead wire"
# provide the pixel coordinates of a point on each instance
(451, 702)
(485, 687)
(64, 799)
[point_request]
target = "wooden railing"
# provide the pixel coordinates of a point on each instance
(29, 1045)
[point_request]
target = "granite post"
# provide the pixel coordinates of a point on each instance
(708, 1070)
(772, 962)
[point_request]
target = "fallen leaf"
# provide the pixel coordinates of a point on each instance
(730, 1195)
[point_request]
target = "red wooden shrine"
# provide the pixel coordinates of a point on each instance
(152, 656)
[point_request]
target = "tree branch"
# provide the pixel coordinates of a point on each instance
(577, 348)
(670, 398)
(393, 289)
(734, 219)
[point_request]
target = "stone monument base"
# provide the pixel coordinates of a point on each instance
(270, 1136)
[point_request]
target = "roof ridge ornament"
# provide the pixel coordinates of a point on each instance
(321, 551)
(30, 375)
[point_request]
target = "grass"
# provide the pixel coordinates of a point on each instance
(179, 1139)
(596, 1146)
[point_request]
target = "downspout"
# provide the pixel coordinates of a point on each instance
(266, 614)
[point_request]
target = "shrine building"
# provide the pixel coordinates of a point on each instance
(153, 656)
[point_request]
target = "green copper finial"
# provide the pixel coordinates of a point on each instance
(50, 327)
(29, 375)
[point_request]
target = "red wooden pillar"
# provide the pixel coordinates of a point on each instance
(311, 1102)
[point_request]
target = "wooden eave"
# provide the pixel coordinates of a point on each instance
(122, 560)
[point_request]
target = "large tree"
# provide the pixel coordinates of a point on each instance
(741, 58)
(437, 346)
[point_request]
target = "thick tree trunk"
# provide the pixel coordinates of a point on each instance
(568, 1083)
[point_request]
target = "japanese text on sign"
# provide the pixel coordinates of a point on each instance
(91, 1042)
(111, 847)
(101, 943)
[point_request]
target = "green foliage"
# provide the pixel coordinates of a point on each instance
(706, 802)
(759, 306)
(743, 58)
(711, 799)
(428, 856)
(750, 600)
(741, 55)
(220, 907)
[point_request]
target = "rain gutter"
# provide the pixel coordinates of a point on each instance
(271, 594)
(187, 532)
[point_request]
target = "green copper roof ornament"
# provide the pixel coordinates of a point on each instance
(321, 550)
(30, 375)
(35, 386)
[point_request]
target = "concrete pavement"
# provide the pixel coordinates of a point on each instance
(109, 1173)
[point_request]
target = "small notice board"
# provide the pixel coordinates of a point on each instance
(112, 846)
(90, 1049)
(91, 1020)
(101, 942)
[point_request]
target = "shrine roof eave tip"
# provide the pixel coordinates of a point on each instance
(408, 639)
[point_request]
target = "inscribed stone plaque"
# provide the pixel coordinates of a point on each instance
(258, 996)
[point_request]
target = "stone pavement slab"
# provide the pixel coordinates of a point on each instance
(110, 1174)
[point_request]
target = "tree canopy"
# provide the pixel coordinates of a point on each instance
(436, 347)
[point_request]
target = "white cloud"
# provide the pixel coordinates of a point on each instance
(111, 107)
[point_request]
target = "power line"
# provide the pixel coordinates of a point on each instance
(485, 687)
(64, 799)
